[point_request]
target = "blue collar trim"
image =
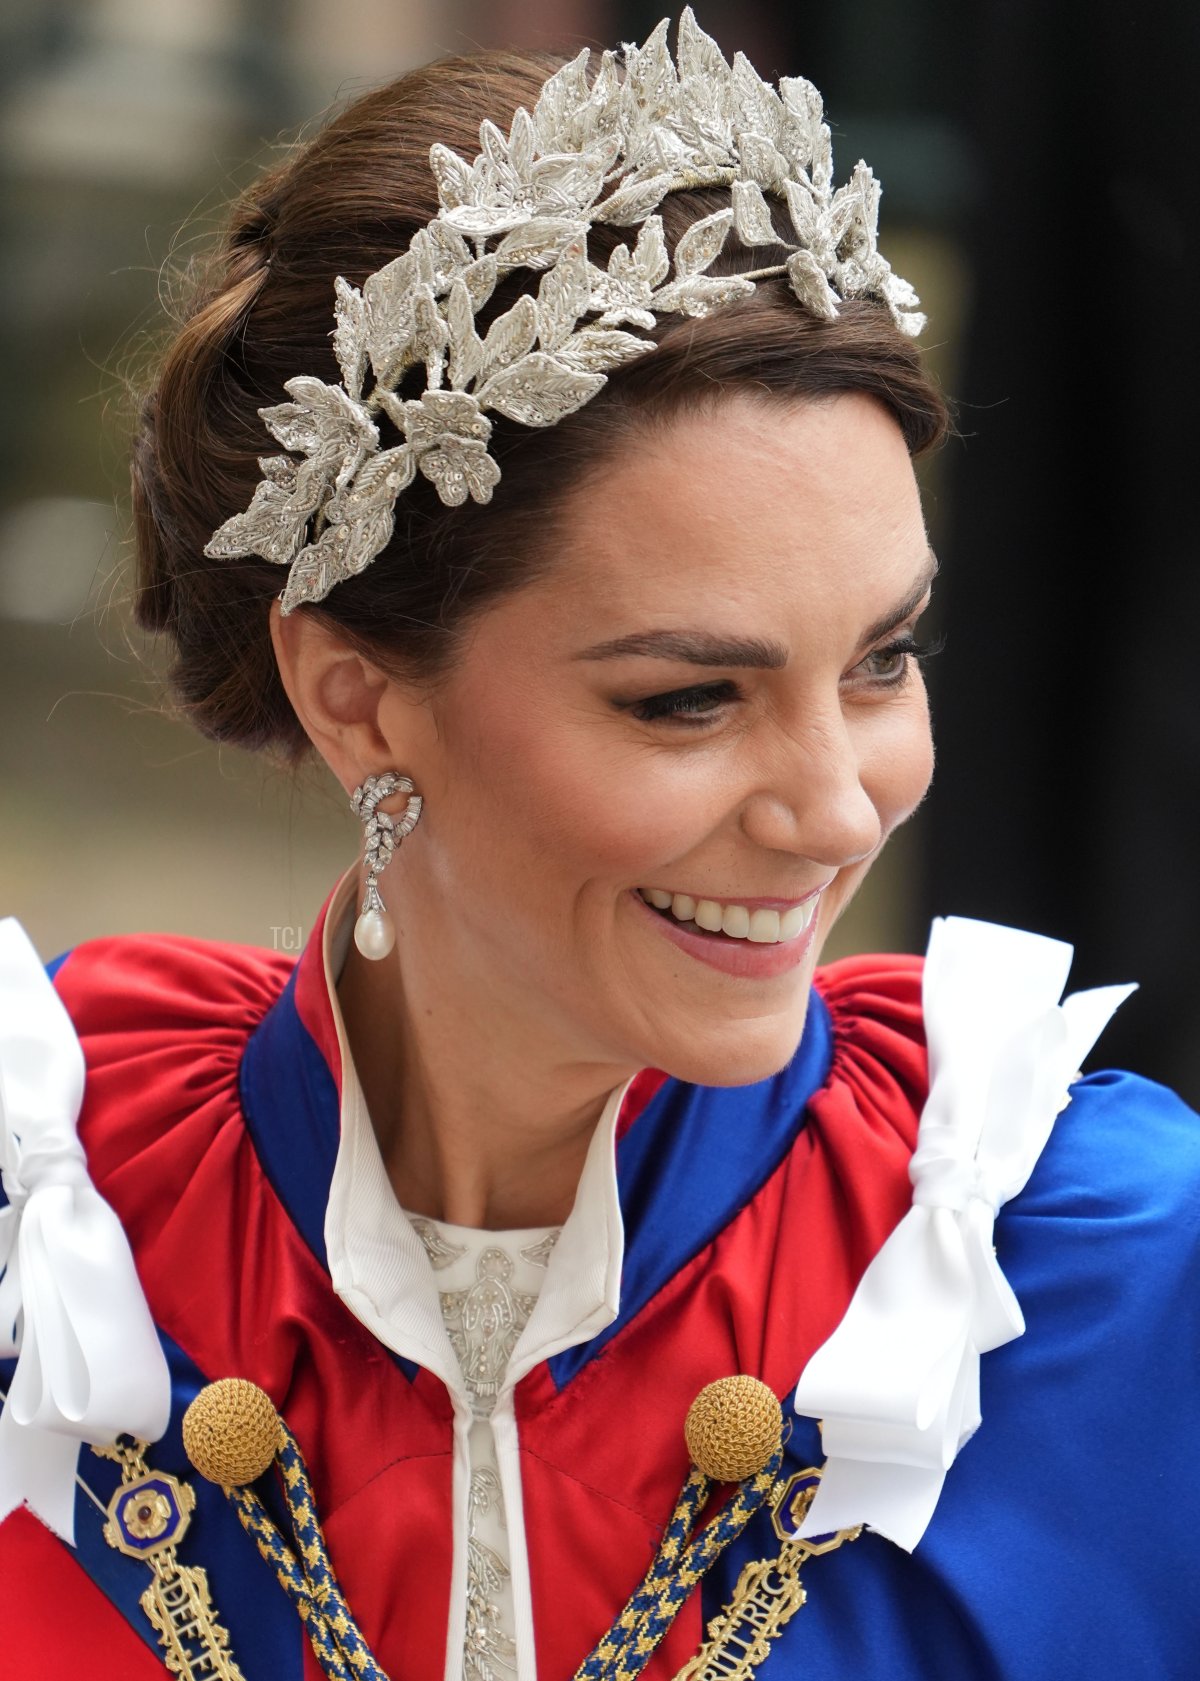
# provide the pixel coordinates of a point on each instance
(293, 1113)
(690, 1163)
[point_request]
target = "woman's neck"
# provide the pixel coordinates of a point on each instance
(476, 1124)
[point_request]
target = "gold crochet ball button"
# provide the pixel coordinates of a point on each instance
(733, 1427)
(231, 1432)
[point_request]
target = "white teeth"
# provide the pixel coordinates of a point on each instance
(735, 920)
(796, 920)
(762, 926)
(708, 915)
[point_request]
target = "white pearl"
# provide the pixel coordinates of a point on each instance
(374, 935)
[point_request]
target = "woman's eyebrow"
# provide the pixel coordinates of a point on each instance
(693, 647)
(700, 647)
(907, 607)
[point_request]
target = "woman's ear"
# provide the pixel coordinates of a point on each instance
(336, 693)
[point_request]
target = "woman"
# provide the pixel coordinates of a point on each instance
(591, 562)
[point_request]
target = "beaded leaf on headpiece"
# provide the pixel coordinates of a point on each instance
(607, 150)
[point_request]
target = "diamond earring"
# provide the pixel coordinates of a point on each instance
(374, 933)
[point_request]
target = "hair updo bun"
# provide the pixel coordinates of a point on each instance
(346, 203)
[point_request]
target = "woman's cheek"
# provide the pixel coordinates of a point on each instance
(895, 768)
(649, 824)
(634, 801)
(924, 747)
(900, 766)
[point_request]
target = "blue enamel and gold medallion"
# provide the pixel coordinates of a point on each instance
(147, 1518)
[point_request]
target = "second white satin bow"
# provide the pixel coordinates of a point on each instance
(89, 1363)
(897, 1384)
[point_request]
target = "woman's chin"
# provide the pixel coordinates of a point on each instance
(735, 1052)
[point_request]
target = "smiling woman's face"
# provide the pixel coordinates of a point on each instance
(558, 784)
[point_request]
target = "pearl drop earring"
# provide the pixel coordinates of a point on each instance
(374, 932)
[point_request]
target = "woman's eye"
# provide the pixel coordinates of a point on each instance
(889, 666)
(685, 706)
(883, 668)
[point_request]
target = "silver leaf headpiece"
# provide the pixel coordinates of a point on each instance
(606, 150)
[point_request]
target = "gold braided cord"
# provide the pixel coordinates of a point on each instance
(608, 1650)
(234, 1435)
(734, 1424)
(675, 1572)
(290, 1575)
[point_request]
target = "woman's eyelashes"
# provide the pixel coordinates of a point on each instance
(886, 667)
(687, 706)
(893, 664)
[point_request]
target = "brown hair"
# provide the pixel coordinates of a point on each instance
(346, 203)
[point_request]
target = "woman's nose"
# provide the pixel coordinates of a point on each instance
(813, 801)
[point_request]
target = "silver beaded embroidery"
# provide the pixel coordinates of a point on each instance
(483, 1323)
(441, 1252)
(538, 1254)
(488, 1648)
(643, 127)
(484, 1320)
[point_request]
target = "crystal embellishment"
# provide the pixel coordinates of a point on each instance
(602, 149)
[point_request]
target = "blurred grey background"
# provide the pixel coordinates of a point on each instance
(1040, 193)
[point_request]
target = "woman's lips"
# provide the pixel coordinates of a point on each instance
(734, 957)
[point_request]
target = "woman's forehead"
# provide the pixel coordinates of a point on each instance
(750, 499)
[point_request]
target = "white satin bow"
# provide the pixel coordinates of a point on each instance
(89, 1362)
(897, 1384)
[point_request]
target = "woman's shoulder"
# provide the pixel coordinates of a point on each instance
(163, 1021)
(1123, 1160)
(880, 986)
(1122, 1141)
(878, 1054)
(149, 984)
